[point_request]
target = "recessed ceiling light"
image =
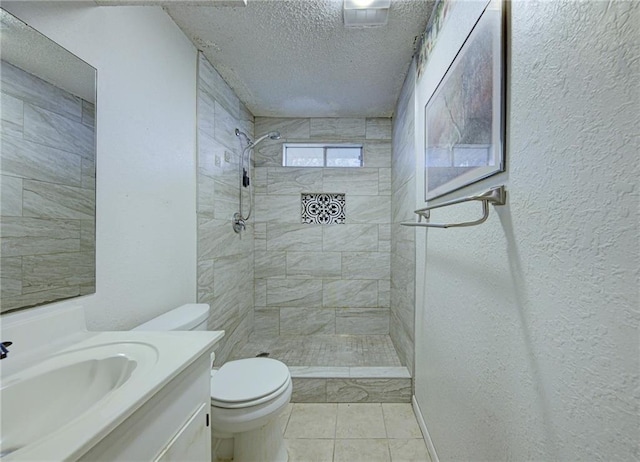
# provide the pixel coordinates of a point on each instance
(359, 4)
(366, 13)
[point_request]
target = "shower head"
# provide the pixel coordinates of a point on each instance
(271, 135)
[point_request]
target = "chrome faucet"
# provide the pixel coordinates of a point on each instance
(4, 351)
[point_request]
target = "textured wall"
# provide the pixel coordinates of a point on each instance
(323, 279)
(403, 259)
(48, 165)
(146, 182)
(225, 259)
(528, 339)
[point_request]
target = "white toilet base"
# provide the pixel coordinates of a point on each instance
(263, 444)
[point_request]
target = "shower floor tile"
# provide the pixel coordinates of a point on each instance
(326, 350)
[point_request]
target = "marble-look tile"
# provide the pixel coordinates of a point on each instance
(337, 128)
(11, 276)
(368, 209)
(377, 154)
(205, 122)
(205, 195)
(314, 265)
(46, 200)
(384, 293)
(205, 279)
(266, 324)
(87, 235)
(224, 127)
(34, 236)
(345, 238)
(11, 115)
(260, 180)
(210, 82)
(270, 264)
(235, 337)
(379, 372)
(384, 181)
(312, 421)
(361, 450)
(307, 390)
(369, 390)
(360, 421)
(400, 421)
(402, 340)
(307, 321)
(366, 265)
(53, 130)
(11, 189)
(361, 181)
(245, 113)
(260, 236)
(24, 159)
(288, 180)
(294, 292)
(408, 450)
(362, 321)
(46, 272)
(269, 154)
(88, 113)
(403, 203)
(294, 237)
(289, 128)
(38, 298)
(260, 292)
(277, 208)
(33, 90)
(310, 450)
(319, 372)
(350, 293)
(379, 128)
(216, 237)
(88, 173)
(384, 232)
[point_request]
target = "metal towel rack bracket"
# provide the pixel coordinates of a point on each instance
(494, 196)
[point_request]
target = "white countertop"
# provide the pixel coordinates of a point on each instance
(167, 354)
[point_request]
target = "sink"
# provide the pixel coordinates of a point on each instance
(43, 398)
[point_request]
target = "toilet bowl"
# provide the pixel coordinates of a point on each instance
(247, 395)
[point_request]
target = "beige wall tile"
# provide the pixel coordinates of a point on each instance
(294, 292)
(314, 265)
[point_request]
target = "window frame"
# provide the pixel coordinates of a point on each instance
(324, 147)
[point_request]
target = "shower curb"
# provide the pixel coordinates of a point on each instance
(351, 384)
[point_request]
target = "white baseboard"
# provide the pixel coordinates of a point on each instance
(425, 432)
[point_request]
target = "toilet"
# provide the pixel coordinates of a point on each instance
(247, 396)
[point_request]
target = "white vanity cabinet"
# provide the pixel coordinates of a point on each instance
(173, 425)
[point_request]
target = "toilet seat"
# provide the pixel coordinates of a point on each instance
(248, 382)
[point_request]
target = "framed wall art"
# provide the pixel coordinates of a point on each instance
(465, 116)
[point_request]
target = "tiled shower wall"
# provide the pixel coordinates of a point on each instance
(48, 192)
(323, 279)
(225, 259)
(403, 237)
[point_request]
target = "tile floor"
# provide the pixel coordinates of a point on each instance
(353, 432)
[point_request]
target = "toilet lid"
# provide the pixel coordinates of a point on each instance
(248, 380)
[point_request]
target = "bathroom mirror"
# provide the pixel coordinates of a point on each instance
(47, 169)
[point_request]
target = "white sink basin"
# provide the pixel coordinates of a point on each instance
(41, 399)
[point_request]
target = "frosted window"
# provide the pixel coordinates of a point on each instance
(321, 155)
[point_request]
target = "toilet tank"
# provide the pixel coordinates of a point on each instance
(192, 316)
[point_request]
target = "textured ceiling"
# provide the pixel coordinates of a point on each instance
(295, 58)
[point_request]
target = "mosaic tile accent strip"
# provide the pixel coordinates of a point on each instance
(323, 208)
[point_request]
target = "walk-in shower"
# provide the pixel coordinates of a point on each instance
(239, 218)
